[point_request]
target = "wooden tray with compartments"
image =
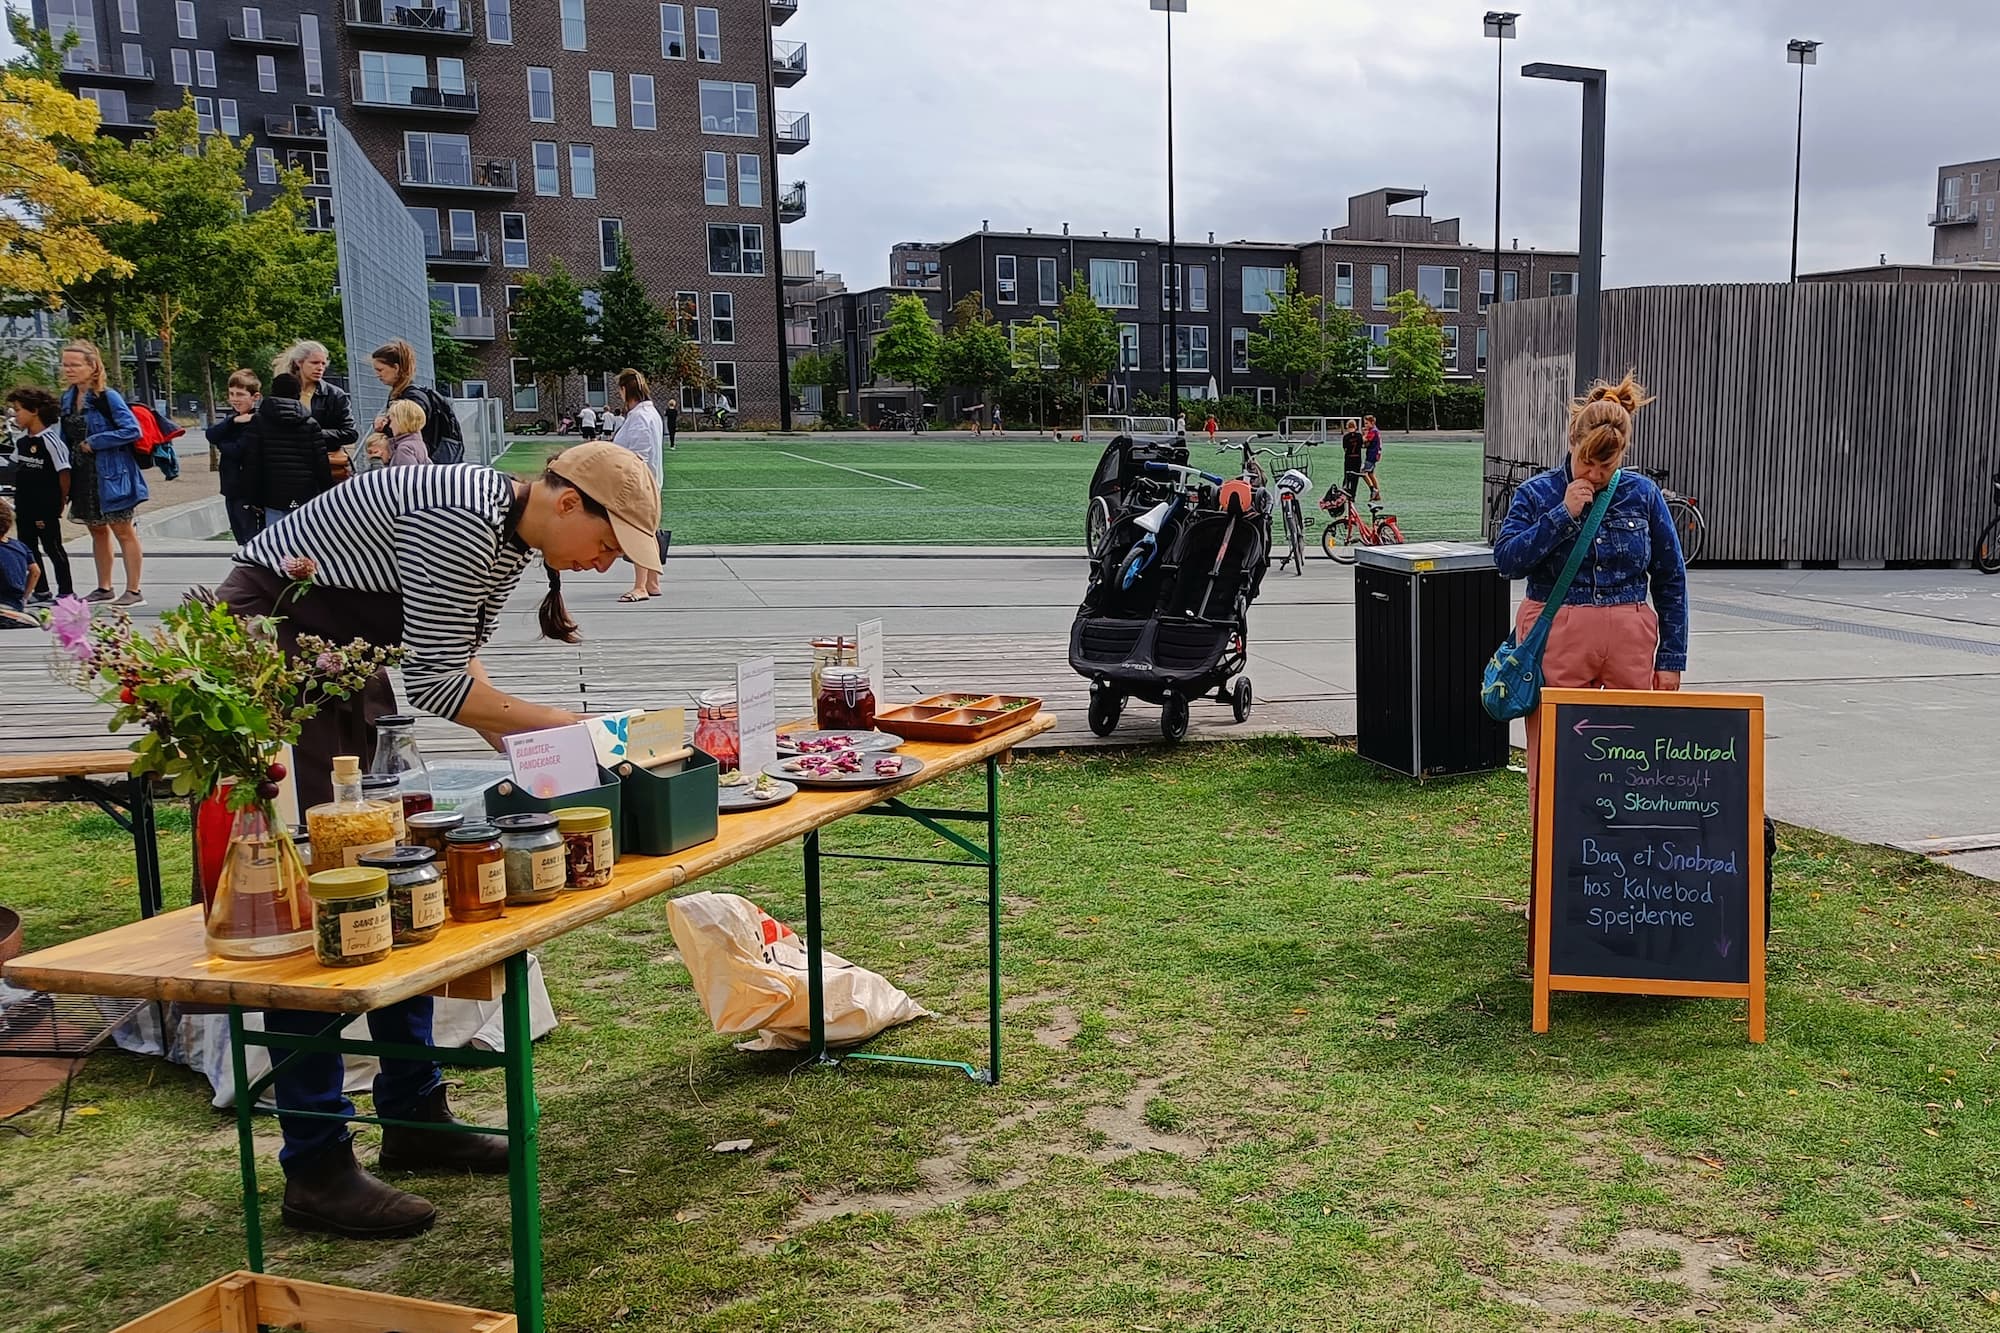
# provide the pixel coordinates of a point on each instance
(959, 717)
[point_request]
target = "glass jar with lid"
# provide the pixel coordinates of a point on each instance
(838, 651)
(475, 873)
(587, 845)
(351, 921)
(715, 729)
(416, 893)
(382, 788)
(429, 828)
(537, 864)
(846, 700)
(349, 826)
(397, 755)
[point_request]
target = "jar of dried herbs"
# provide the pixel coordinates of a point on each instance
(416, 892)
(536, 863)
(351, 919)
(349, 827)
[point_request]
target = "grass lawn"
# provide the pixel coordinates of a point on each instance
(947, 490)
(1268, 1068)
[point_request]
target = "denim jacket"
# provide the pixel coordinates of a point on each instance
(1636, 548)
(111, 430)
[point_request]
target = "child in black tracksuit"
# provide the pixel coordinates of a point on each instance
(1352, 445)
(41, 484)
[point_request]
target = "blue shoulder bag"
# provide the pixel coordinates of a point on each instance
(1513, 682)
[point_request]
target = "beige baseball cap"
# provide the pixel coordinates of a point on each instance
(619, 480)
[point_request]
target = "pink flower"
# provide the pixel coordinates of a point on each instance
(299, 567)
(70, 623)
(330, 663)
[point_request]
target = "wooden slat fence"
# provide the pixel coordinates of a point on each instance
(1823, 422)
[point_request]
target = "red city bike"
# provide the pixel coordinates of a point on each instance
(1346, 529)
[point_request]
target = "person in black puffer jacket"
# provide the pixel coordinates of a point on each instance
(284, 453)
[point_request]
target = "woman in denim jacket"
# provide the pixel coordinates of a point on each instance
(1605, 636)
(105, 485)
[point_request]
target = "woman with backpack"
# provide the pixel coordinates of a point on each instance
(395, 365)
(105, 485)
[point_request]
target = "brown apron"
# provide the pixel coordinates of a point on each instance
(345, 726)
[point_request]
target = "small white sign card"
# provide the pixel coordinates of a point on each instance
(868, 648)
(556, 762)
(757, 712)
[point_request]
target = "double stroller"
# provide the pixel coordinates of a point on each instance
(1177, 564)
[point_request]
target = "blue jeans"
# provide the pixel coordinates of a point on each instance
(274, 516)
(312, 1082)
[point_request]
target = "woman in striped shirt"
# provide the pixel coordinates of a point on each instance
(425, 558)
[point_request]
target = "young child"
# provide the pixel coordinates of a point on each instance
(1352, 445)
(246, 518)
(377, 447)
(285, 458)
(1209, 426)
(41, 482)
(406, 434)
(18, 573)
(1372, 441)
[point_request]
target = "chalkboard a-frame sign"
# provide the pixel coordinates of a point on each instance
(1649, 847)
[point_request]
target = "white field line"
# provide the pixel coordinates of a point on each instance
(907, 485)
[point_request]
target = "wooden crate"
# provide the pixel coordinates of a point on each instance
(244, 1302)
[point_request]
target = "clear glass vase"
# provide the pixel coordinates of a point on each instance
(261, 909)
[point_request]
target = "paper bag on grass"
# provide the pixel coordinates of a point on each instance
(750, 975)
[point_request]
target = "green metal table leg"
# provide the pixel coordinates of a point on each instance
(524, 1115)
(815, 970)
(993, 918)
(246, 1145)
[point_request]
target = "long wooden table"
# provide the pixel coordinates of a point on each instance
(165, 958)
(67, 775)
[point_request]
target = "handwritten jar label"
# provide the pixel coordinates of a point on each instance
(365, 932)
(551, 868)
(427, 905)
(493, 882)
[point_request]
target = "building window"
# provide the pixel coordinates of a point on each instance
(253, 23)
(225, 117)
(1193, 344)
(1562, 284)
(548, 179)
(1128, 344)
(1479, 348)
(315, 165)
(687, 315)
(1437, 285)
(708, 35)
(133, 60)
(267, 74)
(749, 180)
(572, 25)
(437, 159)
(1045, 280)
(267, 167)
(582, 171)
(1114, 284)
(1007, 289)
(644, 116)
(392, 77)
(514, 240)
(725, 383)
(1451, 348)
(729, 108)
(79, 17)
(527, 398)
(735, 248)
(673, 33)
(184, 18)
(1378, 339)
(1239, 350)
(541, 94)
(204, 68)
(721, 317)
(110, 104)
(1378, 286)
(1261, 289)
(1510, 285)
(427, 226)
(610, 235)
(204, 115)
(1485, 288)
(500, 22)
(1343, 286)
(715, 178)
(603, 99)
(183, 68)
(464, 231)
(128, 15)
(1197, 287)
(309, 48)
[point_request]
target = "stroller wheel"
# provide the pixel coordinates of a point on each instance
(1105, 708)
(1239, 702)
(1174, 718)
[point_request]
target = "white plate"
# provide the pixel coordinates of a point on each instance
(788, 741)
(731, 800)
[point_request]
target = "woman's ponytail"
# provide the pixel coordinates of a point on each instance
(557, 623)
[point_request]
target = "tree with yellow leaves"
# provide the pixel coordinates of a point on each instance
(51, 214)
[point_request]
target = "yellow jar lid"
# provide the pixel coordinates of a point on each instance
(348, 882)
(583, 819)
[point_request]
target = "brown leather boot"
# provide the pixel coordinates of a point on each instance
(329, 1191)
(440, 1151)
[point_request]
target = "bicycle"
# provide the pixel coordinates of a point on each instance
(1986, 554)
(1346, 528)
(1507, 474)
(1689, 525)
(1294, 475)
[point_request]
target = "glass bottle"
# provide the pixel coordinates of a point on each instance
(382, 789)
(260, 908)
(349, 826)
(396, 752)
(715, 731)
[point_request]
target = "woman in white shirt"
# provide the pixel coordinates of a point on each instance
(641, 431)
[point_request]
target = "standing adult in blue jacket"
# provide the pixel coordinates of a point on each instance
(1605, 636)
(105, 484)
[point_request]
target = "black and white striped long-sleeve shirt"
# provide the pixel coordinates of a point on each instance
(437, 537)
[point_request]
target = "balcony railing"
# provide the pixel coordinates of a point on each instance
(497, 175)
(133, 117)
(792, 202)
(788, 63)
(472, 328)
(81, 67)
(425, 97)
(794, 131)
(263, 34)
(471, 252)
(1951, 215)
(782, 10)
(294, 127)
(449, 22)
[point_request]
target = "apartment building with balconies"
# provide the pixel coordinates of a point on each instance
(1963, 221)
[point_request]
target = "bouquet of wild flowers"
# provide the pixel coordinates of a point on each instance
(216, 693)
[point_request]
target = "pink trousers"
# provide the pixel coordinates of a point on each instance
(1590, 647)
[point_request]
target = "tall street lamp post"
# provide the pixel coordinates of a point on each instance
(1172, 284)
(1500, 27)
(1590, 213)
(1801, 52)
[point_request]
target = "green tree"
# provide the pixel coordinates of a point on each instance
(1036, 361)
(1301, 339)
(631, 330)
(1087, 340)
(552, 331)
(975, 353)
(909, 350)
(451, 360)
(825, 370)
(1415, 354)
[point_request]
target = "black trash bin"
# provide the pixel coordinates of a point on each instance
(1426, 620)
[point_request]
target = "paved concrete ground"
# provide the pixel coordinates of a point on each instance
(1883, 687)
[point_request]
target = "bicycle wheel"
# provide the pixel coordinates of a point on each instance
(1690, 526)
(1339, 538)
(1389, 534)
(1986, 555)
(1096, 526)
(1296, 535)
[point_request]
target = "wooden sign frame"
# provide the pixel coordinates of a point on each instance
(1544, 814)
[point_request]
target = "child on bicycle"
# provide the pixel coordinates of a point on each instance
(1372, 443)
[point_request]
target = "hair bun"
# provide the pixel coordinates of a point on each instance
(1627, 393)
